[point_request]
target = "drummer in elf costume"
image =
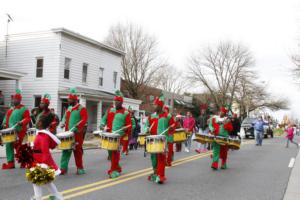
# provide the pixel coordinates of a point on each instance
(17, 116)
(74, 119)
(220, 126)
(158, 123)
(118, 119)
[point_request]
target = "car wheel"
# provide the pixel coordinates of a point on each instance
(247, 136)
(265, 136)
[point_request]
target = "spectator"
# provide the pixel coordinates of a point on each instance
(290, 136)
(202, 124)
(259, 130)
(1, 99)
(236, 126)
(189, 125)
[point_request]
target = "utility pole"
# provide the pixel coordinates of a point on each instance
(9, 19)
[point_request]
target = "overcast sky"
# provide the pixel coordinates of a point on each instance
(271, 28)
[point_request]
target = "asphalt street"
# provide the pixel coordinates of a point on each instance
(260, 173)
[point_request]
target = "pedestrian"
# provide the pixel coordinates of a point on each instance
(117, 119)
(16, 117)
(236, 124)
(259, 130)
(159, 123)
(1, 99)
(134, 134)
(44, 141)
(290, 136)
(189, 126)
(75, 119)
(179, 125)
(202, 123)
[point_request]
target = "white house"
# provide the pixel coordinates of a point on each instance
(56, 60)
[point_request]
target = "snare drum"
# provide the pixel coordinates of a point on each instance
(142, 139)
(234, 143)
(110, 141)
(67, 140)
(8, 135)
(204, 138)
(97, 133)
(221, 140)
(155, 143)
(30, 135)
(179, 135)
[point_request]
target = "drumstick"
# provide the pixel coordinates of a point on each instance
(75, 125)
(167, 129)
(122, 128)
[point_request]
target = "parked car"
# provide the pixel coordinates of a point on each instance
(248, 129)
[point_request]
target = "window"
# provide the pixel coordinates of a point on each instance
(39, 67)
(169, 102)
(101, 71)
(67, 68)
(115, 79)
(84, 72)
(37, 100)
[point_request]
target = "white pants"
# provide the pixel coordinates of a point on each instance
(38, 191)
(199, 145)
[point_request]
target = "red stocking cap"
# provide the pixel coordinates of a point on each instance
(73, 94)
(46, 99)
(223, 109)
(159, 101)
(118, 96)
(18, 95)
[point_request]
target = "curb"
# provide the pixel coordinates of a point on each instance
(293, 185)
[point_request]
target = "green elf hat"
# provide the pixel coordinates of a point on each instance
(119, 96)
(18, 95)
(160, 101)
(73, 94)
(46, 99)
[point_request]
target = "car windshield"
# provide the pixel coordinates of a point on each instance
(248, 120)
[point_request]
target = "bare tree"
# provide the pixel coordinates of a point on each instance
(251, 95)
(142, 62)
(219, 70)
(172, 80)
(296, 69)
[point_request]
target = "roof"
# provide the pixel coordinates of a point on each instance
(88, 40)
(89, 92)
(6, 74)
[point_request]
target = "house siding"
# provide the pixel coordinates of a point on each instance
(21, 57)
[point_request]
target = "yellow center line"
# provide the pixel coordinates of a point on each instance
(132, 175)
(127, 179)
(116, 179)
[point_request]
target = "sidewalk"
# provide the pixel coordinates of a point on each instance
(293, 189)
(88, 144)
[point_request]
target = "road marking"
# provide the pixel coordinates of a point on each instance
(110, 182)
(122, 177)
(128, 179)
(292, 162)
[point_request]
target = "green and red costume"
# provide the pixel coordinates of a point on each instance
(220, 128)
(14, 115)
(75, 119)
(157, 124)
(115, 119)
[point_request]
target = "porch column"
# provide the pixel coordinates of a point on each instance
(99, 113)
(82, 101)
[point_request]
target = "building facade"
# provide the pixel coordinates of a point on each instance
(55, 61)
